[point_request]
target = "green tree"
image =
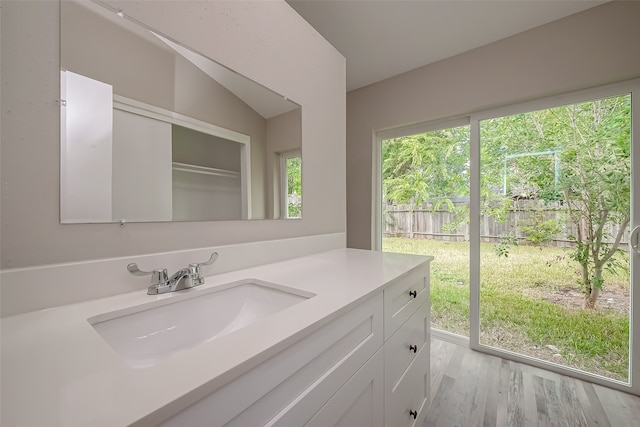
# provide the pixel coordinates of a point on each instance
(432, 167)
(425, 167)
(592, 142)
(596, 185)
(294, 187)
(577, 154)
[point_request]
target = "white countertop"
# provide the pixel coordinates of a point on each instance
(57, 370)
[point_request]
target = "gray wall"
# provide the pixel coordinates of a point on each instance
(592, 48)
(266, 41)
(105, 51)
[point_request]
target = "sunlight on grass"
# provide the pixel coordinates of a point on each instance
(515, 315)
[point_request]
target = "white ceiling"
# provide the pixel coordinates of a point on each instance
(384, 38)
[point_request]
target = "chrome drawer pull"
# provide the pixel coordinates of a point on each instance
(414, 414)
(414, 348)
(413, 293)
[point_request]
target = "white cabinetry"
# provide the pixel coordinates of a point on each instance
(290, 388)
(403, 298)
(358, 402)
(367, 368)
(406, 350)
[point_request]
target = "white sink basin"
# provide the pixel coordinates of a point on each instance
(146, 333)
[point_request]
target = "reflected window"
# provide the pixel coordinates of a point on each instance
(291, 184)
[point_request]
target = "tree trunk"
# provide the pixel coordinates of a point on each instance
(586, 283)
(591, 298)
(594, 290)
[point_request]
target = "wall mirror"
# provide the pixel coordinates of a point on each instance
(153, 131)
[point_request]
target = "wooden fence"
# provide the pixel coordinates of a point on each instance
(429, 223)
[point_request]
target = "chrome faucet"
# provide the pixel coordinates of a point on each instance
(185, 278)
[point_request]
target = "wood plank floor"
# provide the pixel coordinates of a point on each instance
(469, 388)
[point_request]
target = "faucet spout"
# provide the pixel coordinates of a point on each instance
(180, 280)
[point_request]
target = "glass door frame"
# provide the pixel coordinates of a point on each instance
(376, 186)
(632, 87)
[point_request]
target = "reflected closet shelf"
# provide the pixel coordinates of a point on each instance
(185, 167)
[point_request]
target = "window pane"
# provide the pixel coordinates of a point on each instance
(294, 187)
(554, 262)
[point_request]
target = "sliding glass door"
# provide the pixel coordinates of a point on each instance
(532, 213)
(553, 209)
(424, 209)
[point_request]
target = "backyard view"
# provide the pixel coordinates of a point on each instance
(291, 184)
(555, 208)
(538, 313)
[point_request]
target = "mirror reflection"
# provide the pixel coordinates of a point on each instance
(153, 131)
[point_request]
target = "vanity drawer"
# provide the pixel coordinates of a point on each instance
(404, 346)
(406, 402)
(403, 298)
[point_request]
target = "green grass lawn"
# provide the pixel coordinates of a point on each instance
(521, 308)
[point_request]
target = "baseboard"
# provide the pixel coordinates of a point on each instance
(450, 337)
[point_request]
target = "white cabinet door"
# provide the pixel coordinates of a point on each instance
(358, 403)
(288, 389)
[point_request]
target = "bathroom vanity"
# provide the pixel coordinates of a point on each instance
(339, 338)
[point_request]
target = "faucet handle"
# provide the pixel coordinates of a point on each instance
(211, 260)
(159, 276)
(195, 269)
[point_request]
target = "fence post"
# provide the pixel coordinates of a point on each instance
(411, 213)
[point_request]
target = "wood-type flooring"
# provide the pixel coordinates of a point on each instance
(470, 388)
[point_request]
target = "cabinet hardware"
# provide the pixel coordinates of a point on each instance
(413, 293)
(414, 348)
(414, 414)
